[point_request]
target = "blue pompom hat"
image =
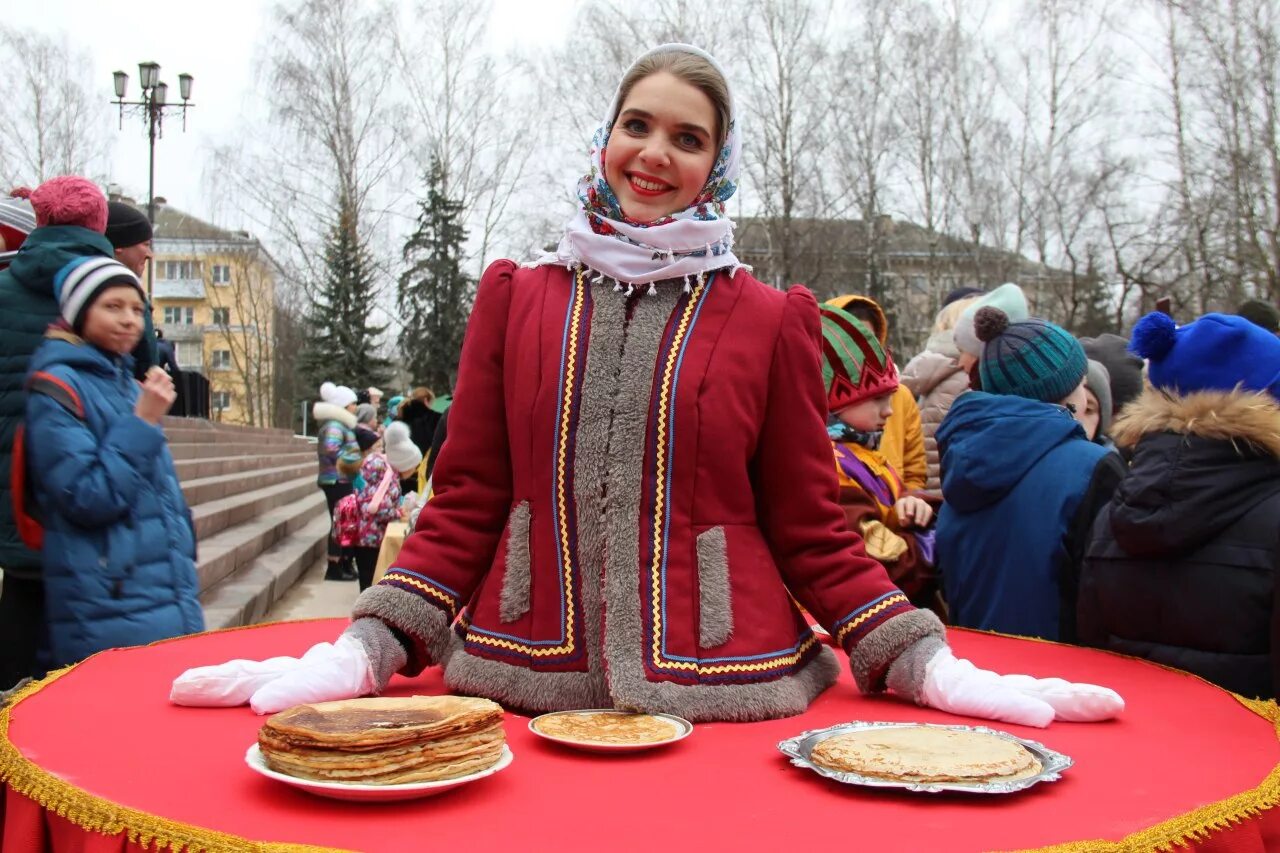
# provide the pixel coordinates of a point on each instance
(1218, 352)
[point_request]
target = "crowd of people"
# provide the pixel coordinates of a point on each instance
(97, 544)
(667, 479)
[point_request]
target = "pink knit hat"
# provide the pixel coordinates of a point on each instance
(70, 200)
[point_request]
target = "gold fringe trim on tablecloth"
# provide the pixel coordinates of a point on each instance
(105, 817)
(102, 816)
(1196, 825)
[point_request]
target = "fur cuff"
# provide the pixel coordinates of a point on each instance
(871, 657)
(906, 674)
(386, 655)
(426, 625)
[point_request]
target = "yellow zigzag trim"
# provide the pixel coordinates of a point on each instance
(660, 469)
(864, 616)
(425, 587)
(562, 452)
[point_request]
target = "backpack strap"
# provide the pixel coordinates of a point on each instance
(51, 386)
(25, 513)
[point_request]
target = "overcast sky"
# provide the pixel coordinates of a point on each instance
(216, 41)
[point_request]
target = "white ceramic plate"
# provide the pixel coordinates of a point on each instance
(372, 793)
(684, 728)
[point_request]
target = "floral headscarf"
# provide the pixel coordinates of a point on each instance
(692, 241)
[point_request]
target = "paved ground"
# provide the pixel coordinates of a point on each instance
(313, 597)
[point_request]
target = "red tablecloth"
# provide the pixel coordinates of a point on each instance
(101, 746)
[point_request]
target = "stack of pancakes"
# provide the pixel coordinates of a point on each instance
(385, 740)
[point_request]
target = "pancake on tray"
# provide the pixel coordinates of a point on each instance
(605, 728)
(923, 754)
(385, 740)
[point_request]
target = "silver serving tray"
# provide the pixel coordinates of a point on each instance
(1052, 763)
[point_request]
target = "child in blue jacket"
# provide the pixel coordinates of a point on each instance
(1021, 483)
(119, 544)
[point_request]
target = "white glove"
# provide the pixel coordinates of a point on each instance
(959, 687)
(339, 670)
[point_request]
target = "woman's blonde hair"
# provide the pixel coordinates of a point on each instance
(422, 393)
(692, 69)
(950, 315)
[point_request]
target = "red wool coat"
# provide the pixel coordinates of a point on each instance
(632, 492)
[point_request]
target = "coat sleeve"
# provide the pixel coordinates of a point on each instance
(1107, 475)
(92, 482)
(915, 464)
(824, 564)
(443, 561)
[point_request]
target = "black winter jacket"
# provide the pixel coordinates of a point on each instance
(1183, 566)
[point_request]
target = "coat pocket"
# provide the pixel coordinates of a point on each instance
(514, 600)
(715, 599)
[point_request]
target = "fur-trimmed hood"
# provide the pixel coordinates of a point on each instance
(328, 412)
(1200, 462)
(1226, 415)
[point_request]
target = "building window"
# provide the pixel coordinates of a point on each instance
(220, 359)
(179, 315)
(178, 269)
(222, 316)
(190, 355)
(222, 274)
(220, 400)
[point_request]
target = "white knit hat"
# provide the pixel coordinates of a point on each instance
(402, 454)
(338, 395)
(1009, 298)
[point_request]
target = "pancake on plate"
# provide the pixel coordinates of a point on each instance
(924, 754)
(606, 728)
(385, 740)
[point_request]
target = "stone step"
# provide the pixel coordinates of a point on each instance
(208, 426)
(227, 551)
(246, 596)
(194, 469)
(270, 473)
(218, 515)
(209, 451)
(179, 435)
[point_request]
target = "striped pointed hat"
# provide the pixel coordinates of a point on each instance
(855, 366)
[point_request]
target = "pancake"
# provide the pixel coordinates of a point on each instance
(595, 727)
(923, 754)
(384, 740)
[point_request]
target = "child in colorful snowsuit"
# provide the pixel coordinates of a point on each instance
(338, 457)
(377, 504)
(862, 381)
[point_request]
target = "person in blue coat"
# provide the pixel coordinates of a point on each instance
(119, 543)
(1021, 483)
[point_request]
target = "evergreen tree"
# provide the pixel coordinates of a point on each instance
(342, 339)
(435, 294)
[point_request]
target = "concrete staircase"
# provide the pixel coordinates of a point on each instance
(260, 519)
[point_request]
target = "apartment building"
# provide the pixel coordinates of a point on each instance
(214, 296)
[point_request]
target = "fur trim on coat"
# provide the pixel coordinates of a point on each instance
(1229, 415)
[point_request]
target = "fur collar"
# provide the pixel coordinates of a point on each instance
(1227, 415)
(329, 412)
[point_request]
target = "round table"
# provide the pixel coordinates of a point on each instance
(96, 759)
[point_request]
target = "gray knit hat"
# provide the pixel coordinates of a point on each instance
(1124, 368)
(1098, 381)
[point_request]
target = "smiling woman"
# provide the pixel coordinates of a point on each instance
(638, 485)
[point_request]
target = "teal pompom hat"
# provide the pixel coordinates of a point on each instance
(1032, 358)
(1218, 352)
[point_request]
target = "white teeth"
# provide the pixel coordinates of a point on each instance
(648, 185)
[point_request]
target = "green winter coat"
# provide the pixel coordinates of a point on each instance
(29, 306)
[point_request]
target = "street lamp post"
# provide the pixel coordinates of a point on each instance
(151, 106)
